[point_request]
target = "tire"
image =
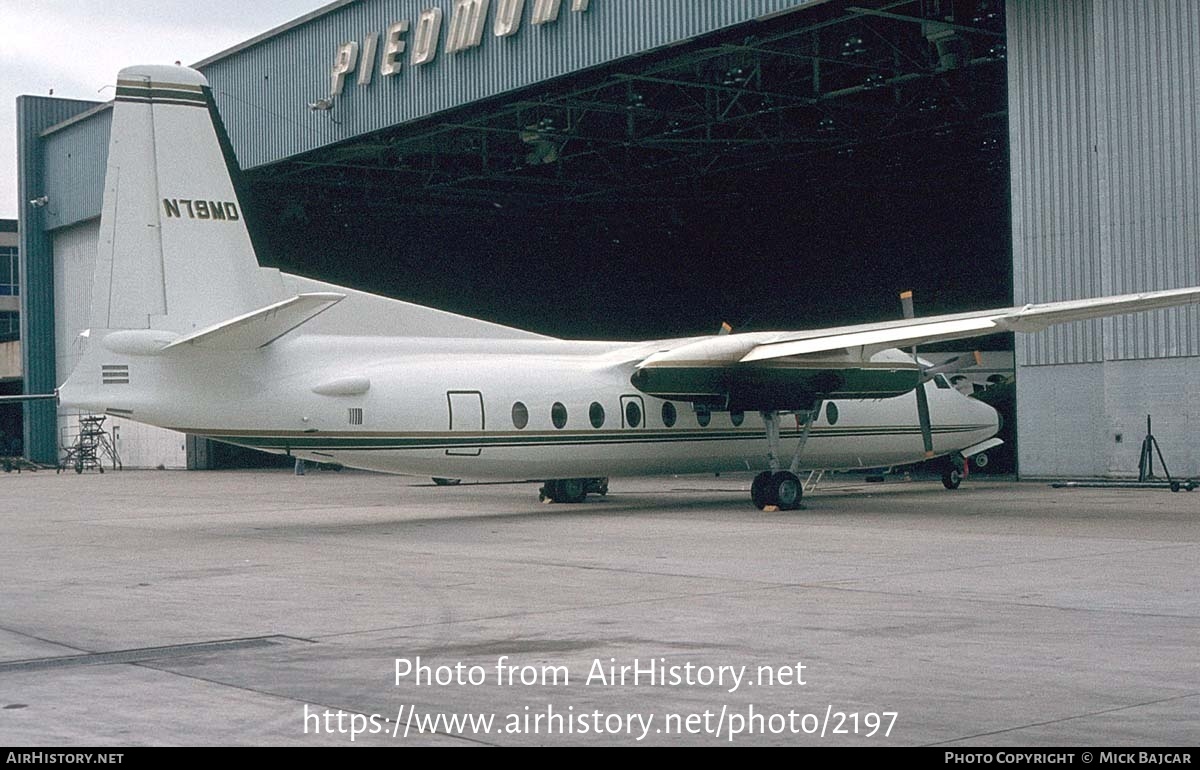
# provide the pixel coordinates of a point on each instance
(787, 490)
(980, 460)
(760, 490)
(952, 478)
(565, 491)
(572, 490)
(1175, 486)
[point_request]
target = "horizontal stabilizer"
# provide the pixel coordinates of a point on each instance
(261, 327)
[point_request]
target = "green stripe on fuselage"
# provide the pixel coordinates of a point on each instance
(436, 441)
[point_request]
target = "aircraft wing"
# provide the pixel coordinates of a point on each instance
(919, 331)
(783, 370)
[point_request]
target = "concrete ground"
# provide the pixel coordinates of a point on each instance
(221, 607)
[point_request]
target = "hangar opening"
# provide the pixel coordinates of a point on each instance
(796, 170)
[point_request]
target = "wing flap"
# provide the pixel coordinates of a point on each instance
(261, 327)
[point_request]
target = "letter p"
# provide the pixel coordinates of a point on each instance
(343, 64)
(403, 669)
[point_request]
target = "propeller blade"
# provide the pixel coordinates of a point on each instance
(923, 418)
(906, 302)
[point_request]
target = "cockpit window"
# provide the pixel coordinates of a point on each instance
(940, 381)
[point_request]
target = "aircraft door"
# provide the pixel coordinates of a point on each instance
(466, 416)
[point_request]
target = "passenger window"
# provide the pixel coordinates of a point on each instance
(737, 418)
(668, 414)
(596, 415)
(940, 381)
(633, 414)
(831, 413)
(520, 416)
(703, 416)
(558, 415)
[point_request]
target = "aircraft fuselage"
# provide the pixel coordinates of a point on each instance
(491, 409)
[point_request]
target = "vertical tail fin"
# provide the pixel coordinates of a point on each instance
(174, 252)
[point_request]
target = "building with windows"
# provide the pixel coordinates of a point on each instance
(10, 335)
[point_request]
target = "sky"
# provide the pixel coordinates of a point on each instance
(76, 47)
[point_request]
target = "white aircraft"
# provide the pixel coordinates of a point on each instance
(189, 333)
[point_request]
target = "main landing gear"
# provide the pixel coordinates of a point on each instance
(780, 489)
(777, 489)
(571, 490)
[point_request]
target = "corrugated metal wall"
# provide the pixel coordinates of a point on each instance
(72, 178)
(1104, 111)
(1148, 108)
(1105, 133)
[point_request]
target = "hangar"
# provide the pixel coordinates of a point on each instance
(619, 169)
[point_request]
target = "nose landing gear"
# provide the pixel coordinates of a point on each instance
(955, 471)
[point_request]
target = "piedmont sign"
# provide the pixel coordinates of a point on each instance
(419, 40)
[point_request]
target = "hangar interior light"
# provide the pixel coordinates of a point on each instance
(853, 46)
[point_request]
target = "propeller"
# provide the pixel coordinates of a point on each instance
(929, 372)
(906, 302)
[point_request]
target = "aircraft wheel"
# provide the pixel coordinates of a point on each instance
(980, 460)
(1175, 486)
(787, 490)
(573, 490)
(951, 478)
(760, 490)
